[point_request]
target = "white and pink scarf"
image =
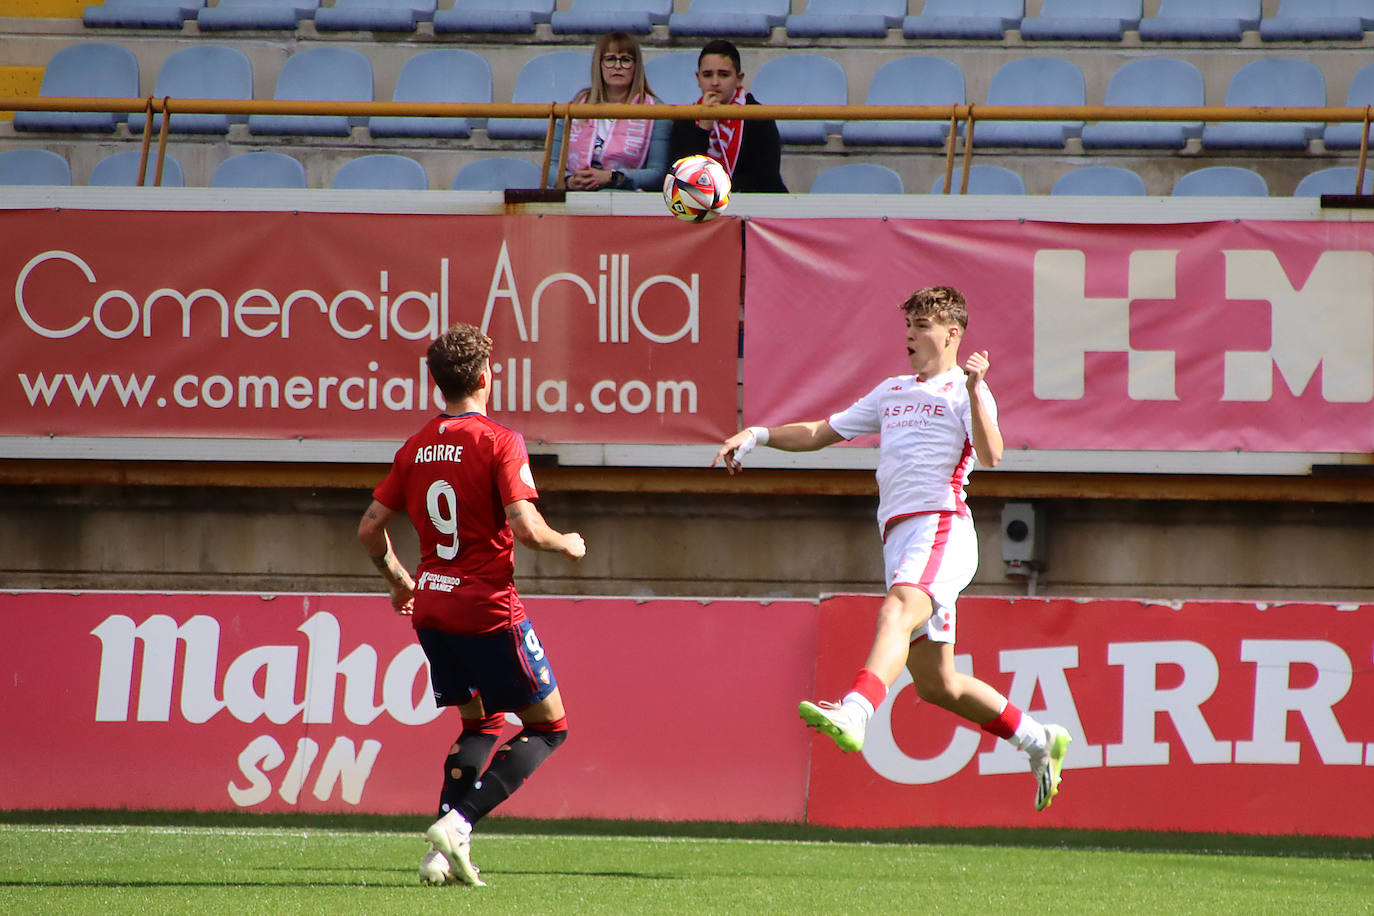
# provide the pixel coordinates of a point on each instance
(617, 145)
(727, 137)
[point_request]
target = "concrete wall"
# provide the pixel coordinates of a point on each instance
(677, 544)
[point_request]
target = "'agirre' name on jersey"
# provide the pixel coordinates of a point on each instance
(454, 478)
(926, 446)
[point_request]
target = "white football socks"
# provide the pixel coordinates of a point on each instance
(858, 706)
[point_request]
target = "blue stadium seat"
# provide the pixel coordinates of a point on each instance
(1033, 81)
(1082, 20)
(259, 170)
(141, 14)
(497, 174)
(256, 14)
(982, 179)
(86, 70)
(857, 178)
(1360, 95)
(1153, 81)
(1221, 181)
(382, 171)
(1273, 82)
(909, 81)
(442, 75)
(1201, 20)
(374, 15)
(1319, 20)
(31, 166)
(1339, 180)
(321, 74)
(965, 19)
(673, 77)
(847, 18)
(801, 79)
(200, 71)
(730, 18)
(597, 16)
(551, 77)
(1100, 181)
(121, 171)
(511, 17)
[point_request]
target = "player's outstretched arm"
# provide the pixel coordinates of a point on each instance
(372, 535)
(531, 530)
(792, 437)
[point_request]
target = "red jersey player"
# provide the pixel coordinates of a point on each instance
(465, 483)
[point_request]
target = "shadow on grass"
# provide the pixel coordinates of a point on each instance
(1323, 847)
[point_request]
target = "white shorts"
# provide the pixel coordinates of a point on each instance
(936, 552)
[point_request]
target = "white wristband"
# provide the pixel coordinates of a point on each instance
(760, 434)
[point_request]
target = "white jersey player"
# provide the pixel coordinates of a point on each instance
(933, 425)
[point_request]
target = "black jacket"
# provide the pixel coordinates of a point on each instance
(760, 155)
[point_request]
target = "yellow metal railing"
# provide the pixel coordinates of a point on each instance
(967, 115)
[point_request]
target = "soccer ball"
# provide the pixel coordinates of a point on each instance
(696, 189)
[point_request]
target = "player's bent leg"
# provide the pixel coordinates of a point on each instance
(903, 611)
(515, 761)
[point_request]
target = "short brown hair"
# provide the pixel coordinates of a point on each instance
(943, 303)
(456, 358)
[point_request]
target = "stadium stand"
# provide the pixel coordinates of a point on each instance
(858, 178)
(989, 19)
(1201, 20)
(141, 14)
(1033, 81)
(1338, 180)
(374, 15)
(90, 70)
(1318, 20)
(1222, 181)
(32, 166)
(802, 79)
(382, 171)
(1270, 82)
(983, 179)
(1360, 95)
(494, 16)
(1082, 20)
(1100, 181)
(847, 18)
(121, 170)
(673, 77)
(265, 169)
(320, 74)
(730, 18)
(200, 71)
(596, 16)
(909, 81)
(442, 75)
(554, 76)
(497, 173)
(1149, 81)
(256, 14)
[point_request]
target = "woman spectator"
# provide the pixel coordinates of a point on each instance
(627, 154)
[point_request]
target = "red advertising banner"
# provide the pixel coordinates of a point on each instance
(1204, 716)
(1251, 335)
(321, 703)
(314, 325)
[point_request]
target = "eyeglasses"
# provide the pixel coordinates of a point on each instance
(617, 61)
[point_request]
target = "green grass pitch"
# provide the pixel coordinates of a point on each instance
(108, 864)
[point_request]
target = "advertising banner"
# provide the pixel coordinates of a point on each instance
(1251, 335)
(1201, 716)
(314, 325)
(321, 703)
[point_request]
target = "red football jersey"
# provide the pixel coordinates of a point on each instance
(454, 478)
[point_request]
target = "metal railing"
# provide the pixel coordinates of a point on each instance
(956, 115)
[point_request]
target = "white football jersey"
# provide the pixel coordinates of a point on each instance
(926, 447)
